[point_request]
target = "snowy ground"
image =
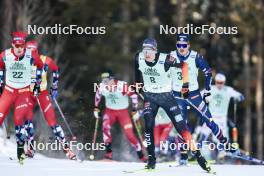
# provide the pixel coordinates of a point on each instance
(43, 166)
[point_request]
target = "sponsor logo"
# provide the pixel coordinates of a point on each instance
(17, 66)
(151, 72)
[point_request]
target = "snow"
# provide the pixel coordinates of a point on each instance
(44, 166)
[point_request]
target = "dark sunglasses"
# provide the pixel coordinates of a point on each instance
(181, 45)
(19, 46)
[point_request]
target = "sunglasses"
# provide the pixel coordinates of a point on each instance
(181, 45)
(19, 46)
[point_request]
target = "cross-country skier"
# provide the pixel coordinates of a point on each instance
(45, 103)
(191, 95)
(218, 106)
(17, 63)
(152, 70)
(116, 95)
(220, 99)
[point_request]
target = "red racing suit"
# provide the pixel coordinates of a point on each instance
(17, 83)
(116, 110)
(44, 98)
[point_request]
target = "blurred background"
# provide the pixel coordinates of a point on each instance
(83, 57)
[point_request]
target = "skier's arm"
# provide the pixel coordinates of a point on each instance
(202, 64)
(131, 93)
(2, 63)
(39, 64)
(97, 100)
(2, 67)
(236, 95)
(55, 71)
(170, 61)
(138, 80)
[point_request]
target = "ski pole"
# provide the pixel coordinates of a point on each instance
(4, 132)
(235, 111)
(203, 114)
(234, 129)
(94, 137)
(139, 133)
(64, 119)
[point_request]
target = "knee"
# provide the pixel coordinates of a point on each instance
(149, 121)
(21, 134)
(58, 132)
(29, 127)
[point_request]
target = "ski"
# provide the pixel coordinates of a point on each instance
(194, 163)
(139, 170)
(245, 157)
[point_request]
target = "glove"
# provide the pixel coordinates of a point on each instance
(239, 99)
(1, 89)
(36, 89)
(54, 92)
(96, 113)
(185, 90)
(207, 96)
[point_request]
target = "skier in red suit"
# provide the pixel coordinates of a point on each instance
(15, 79)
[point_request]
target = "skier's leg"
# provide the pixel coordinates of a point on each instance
(47, 108)
(166, 129)
(150, 112)
(157, 131)
(126, 124)
(109, 119)
(197, 101)
(20, 112)
(173, 111)
(184, 112)
(6, 100)
(30, 127)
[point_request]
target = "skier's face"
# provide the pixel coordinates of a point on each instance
(183, 47)
(18, 49)
(108, 81)
(149, 54)
(219, 84)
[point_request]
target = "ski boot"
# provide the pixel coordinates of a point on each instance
(183, 158)
(20, 153)
(30, 150)
(202, 162)
(141, 156)
(108, 155)
(69, 153)
(151, 163)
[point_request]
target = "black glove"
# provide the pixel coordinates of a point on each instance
(185, 90)
(36, 89)
(1, 88)
(206, 96)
